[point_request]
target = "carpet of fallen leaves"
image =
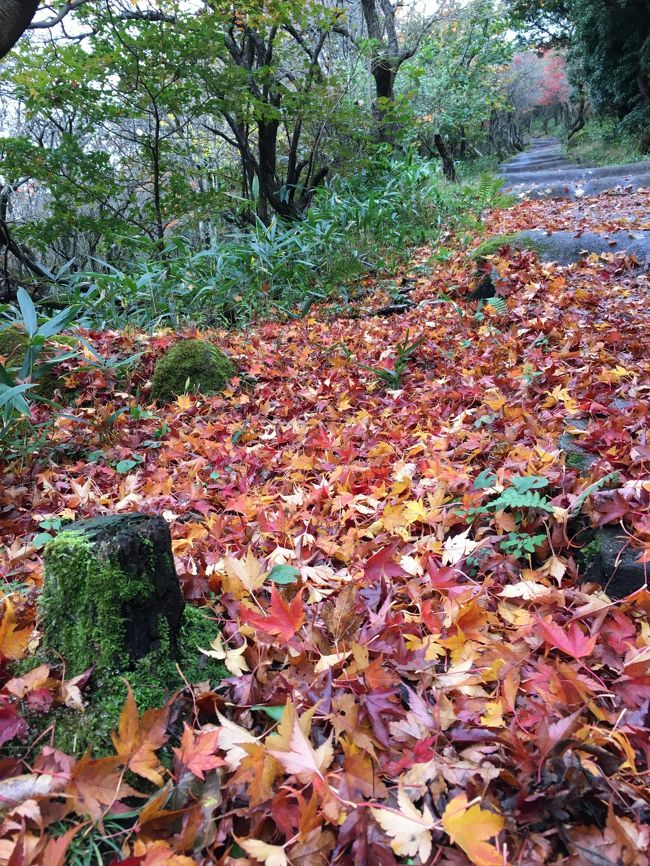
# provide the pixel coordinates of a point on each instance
(405, 691)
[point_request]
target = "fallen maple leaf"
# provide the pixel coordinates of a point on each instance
(13, 640)
(458, 546)
(571, 641)
(284, 620)
(383, 563)
(243, 576)
(300, 758)
(470, 827)
(233, 658)
(160, 853)
(270, 855)
(137, 739)
(231, 739)
(198, 749)
(409, 830)
(96, 785)
(54, 853)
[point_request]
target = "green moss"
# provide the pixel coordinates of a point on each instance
(191, 365)
(576, 460)
(153, 679)
(93, 632)
(492, 246)
(590, 552)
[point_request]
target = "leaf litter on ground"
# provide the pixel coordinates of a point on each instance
(404, 688)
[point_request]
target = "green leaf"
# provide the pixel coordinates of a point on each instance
(484, 480)
(8, 394)
(125, 466)
(274, 712)
(57, 323)
(283, 574)
(41, 539)
(28, 311)
(524, 483)
(580, 501)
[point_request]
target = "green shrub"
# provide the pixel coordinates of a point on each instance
(191, 365)
(14, 344)
(606, 142)
(354, 226)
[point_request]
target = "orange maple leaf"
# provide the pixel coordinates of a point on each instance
(137, 739)
(197, 751)
(96, 784)
(470, 827)
(13, 640)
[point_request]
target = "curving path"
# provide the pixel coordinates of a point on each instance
(544, 172)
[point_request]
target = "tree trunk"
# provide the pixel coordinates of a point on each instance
(580, 119)
(15, 18)
(384, 75)
(448, 167)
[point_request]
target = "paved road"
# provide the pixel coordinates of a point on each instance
(544, 171)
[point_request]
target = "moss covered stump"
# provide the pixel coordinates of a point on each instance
(191, 365)
(111, 595)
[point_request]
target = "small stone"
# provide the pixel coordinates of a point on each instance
(576, 456)
(611, 561)
(111, 594)
(621, 404)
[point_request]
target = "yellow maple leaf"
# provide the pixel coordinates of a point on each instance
(415, 511)
(409, 829)
(470, 827)
(242, 576)
(493, 716)
(270, 855)
(13, 640)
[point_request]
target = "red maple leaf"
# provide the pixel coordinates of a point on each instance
(382, 563)
(284, 620)
(572, 641)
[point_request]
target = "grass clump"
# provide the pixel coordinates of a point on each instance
(191, 365)
(492, 246)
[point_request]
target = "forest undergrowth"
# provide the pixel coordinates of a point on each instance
(378, 517)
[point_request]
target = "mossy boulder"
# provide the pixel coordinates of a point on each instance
(112, 603)
(191, 365)
(610, 560)
(14, 343)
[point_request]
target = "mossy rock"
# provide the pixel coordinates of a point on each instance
(13, 348)
(492, 246)
(191, 365)
(610, 560)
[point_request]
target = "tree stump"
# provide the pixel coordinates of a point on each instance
(111, 594)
